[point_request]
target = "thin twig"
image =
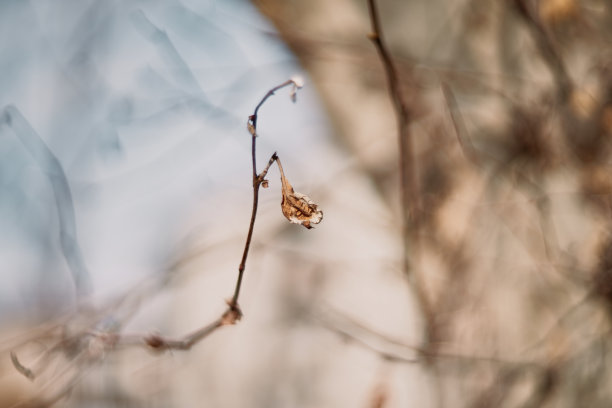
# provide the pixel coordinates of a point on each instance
(408, 179)
(26, 372)
(465, 143)
(233, 313)
(159, 343)
(410, 201)
(257, 180)
(559, 321)
(397, 351)
(111, 340)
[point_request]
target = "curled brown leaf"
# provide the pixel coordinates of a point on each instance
(298, 208)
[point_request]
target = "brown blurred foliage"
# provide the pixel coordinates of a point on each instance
(510, 116)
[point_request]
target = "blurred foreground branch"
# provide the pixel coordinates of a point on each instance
(48, 163)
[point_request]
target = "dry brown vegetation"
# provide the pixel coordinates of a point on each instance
(503, 133)
(483, 129)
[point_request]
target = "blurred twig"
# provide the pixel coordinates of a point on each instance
(410, 197)
(547, 48)
(396, 351)
(408, 179)
(468, 149)
(52, 168)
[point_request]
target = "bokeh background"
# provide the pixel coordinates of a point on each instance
(125, 197)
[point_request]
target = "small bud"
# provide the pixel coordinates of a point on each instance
(232, 315)
(155, 342)
(298, 83)
(251, 127)
(264, 184)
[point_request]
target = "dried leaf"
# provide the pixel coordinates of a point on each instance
(251, 127)
(298, 208)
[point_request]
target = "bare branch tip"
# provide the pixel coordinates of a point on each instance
(298, 83)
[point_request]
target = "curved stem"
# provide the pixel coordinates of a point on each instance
(257, 180)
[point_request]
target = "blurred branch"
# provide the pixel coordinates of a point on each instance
(178, 68)
(566, 315)
(384, 346)
(52, 168)
(26, 372)
(351, 334)
(410, 197)
(467, 147)
(547, 48)
(497, 289)
(408, 179)
(536, 194)
(258, 179)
